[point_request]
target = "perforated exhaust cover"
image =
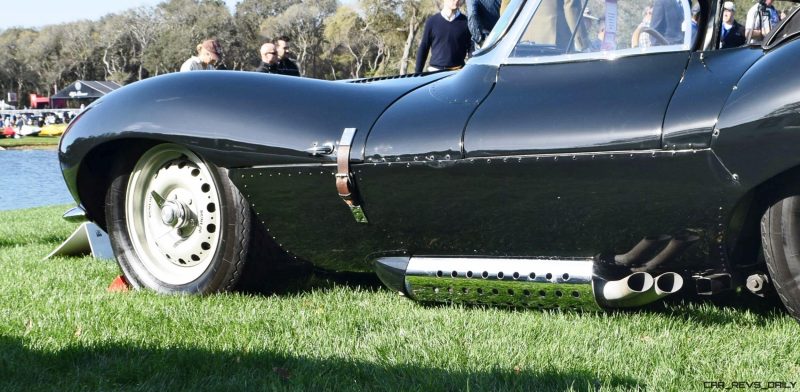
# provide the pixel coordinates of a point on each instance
(533, 283)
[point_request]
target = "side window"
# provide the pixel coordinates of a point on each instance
(574, 27)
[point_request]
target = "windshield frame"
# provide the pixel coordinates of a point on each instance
(501, 53)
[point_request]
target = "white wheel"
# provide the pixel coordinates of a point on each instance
(177, 223)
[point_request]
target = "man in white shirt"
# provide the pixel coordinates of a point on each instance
(446, 36)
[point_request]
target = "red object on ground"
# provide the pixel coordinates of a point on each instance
(8, 132)
(119, 285)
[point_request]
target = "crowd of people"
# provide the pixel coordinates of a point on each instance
(274, 57)
(449, 36)
(38, 120)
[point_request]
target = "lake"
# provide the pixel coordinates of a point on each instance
(31, 178)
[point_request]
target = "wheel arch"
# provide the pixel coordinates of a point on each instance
(744, 225)
(96, 170)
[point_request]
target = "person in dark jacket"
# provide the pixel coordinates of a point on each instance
(447, 37)
(667, 19)
(286, 65)
(731, 33)
(269, 59)
(482, 15)
(271, 64)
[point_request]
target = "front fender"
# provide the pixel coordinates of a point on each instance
(759, 128)
(233, 119)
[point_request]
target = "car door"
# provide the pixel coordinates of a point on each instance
(567, 148)
(593, 92)
(560, 156)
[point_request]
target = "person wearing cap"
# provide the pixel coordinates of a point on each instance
(208, 53)
(731, 34)
(482, 15)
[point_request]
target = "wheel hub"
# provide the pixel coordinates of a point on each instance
(174, 215)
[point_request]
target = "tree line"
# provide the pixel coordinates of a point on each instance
(328, 40)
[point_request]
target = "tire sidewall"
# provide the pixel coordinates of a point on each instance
(780, 228)
(230, 254)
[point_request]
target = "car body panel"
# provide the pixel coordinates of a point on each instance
(234, 119)
(761, 121)
(701, 95)
(554, 108)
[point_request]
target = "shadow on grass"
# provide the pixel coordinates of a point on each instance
(718, 310)
(724, 309)
(140, 368)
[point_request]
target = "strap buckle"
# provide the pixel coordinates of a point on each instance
(344, 180)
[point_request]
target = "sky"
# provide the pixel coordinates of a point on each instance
(37, 13)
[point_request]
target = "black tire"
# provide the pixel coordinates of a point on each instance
(211, 238)
(780, 238)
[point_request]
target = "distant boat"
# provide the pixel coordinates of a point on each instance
(8, 132)
(53, 130)
(29, 130)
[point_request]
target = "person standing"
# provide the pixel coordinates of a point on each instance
(639, 40)
(667, 19)
(269, 59)
(731, 33)
(761, 18)
(482, 15)
(208, 54)
(447, 37)
(286, 66)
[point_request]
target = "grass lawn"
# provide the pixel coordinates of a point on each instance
(61, 330)
(29, 141)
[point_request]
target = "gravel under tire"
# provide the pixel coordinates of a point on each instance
(780, 238)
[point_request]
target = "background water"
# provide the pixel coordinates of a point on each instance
(31, 178)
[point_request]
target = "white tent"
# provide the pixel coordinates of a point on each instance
(5, 106)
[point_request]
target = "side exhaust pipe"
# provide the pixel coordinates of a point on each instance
(533, 283)
(630, 291)
(623, 292)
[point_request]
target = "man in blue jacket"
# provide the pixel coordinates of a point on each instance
(447, 37)
(731, 33)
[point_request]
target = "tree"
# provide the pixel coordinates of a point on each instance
(42, 55)
(248, 18)
(347, 30)
(304, 24)
(18, 77)
(114, 44)
(184, 24)
(413, 12)
(79, 50)
(144, 26)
